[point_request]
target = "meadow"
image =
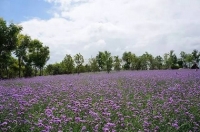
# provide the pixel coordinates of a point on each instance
(126, 101)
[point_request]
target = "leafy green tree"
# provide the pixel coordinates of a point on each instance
(143, 62)
(34, 53)
(183, 58)
(21, 50)
(68, 64)
(100, 60)
(13, 67)
(148, 61)
(57, 69)
(196, 55)
(43, 57)
(170, 59)
(134, 61)
(87, 68)
(189, 59)
(126, 57)
(8, 43)
(38, 55)
(158, 62)
(49, 69)
(79, 60)
(108, 61)
(94, 65)
(117, 63)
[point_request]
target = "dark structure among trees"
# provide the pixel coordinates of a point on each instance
(195, 66)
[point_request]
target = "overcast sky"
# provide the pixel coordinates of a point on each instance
(89, 26)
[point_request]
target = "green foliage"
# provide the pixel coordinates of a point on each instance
(30, 53)
(100, 60)
(8, 43)
(94, 65)
(79, 60)
(117, 63)
(108, 61)
(68, 64)
(32, 56)
(127, 56)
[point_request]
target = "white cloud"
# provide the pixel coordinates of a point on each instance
(88, 26)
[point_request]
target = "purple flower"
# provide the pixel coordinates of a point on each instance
(48, 112)
(83, 128)
(4, 123)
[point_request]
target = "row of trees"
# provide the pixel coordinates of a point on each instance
(19, 54)
(104, 61)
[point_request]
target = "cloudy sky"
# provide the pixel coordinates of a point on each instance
(89, 26)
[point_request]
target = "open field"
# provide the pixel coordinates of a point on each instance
(147, 101)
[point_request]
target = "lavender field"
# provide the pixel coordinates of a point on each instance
(126, 101)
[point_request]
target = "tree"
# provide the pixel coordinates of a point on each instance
(94, 65)
(21, 50)
(43, 57)
(57, 69)
(38, 55)
(49, 69)
(143, 62)
(170, 59)
(87, 68)
(100, 60)
(134, 61)
(126, 57)
(108, 61)
(79, 60)
(117, 63)
(196, 55)
(183, 58)
(68, 64)
(189, 59)
(8, 43)
(158, 62)
(34, 53)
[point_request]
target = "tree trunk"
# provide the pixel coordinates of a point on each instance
(40, 71)
(35, 71)
(19, 61)
(7, 72)
(1, 71)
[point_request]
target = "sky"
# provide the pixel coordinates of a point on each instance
(89, 26)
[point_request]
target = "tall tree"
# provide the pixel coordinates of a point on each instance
(170, 59)
(189, 59)
(21, 50)
(49, 69)
(126, 57)
(43, 57)
(100, 60)
(94, 64)
(196, 55)
(134, 61)
(183, 58)
(117, 63)
(8, 42)
(107, 58)
(79, 60)
(158, 62)
(35, 50)
(68, 64)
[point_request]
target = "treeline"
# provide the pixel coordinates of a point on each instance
(104, 61)
(20, 56)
